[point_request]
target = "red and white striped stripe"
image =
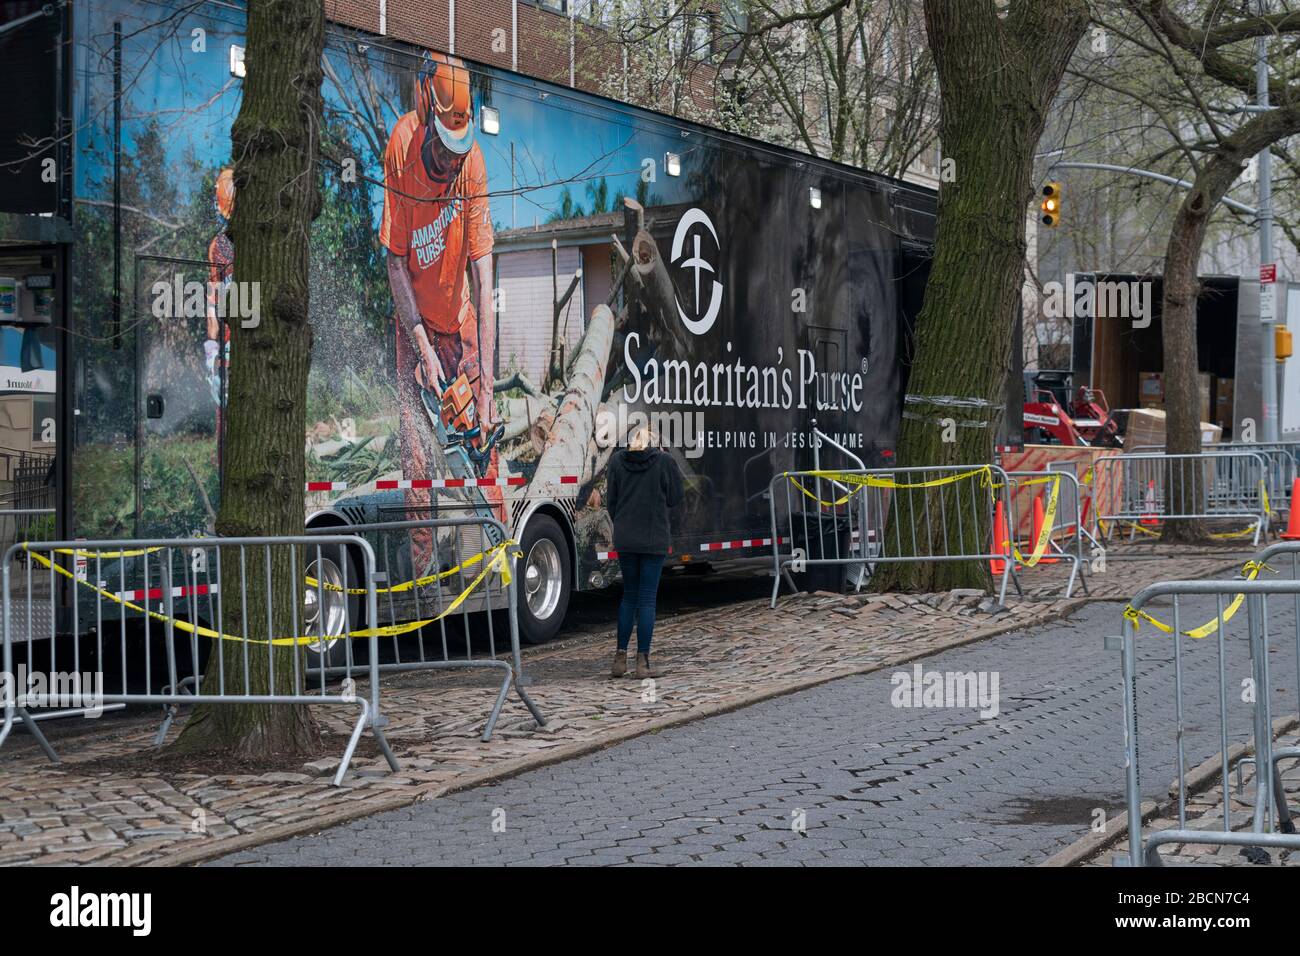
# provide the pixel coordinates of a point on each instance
(710, 546)
(155, 594)
(391, 483)
(327, 486)
(740, 543)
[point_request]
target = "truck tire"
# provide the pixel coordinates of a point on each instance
(545, 580)
(338, 610)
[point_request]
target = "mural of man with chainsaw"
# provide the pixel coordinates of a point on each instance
(437, 228)
(221, 269)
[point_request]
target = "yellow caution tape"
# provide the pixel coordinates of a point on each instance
(77, 552)
(1245, 532)
(417, 582)
(877, 481)
(1025, 482)
(1044, 533)
(497, 560)
(1250, 569)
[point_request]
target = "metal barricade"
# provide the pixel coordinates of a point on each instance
(1150, 488)
(886, 515)
(1269, 803)
(1266, 559)
(1060, 488)
(177, 621)
(438, 573)
(1280, 460)
(25, 524)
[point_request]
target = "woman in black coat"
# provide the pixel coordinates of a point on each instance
(643, 484)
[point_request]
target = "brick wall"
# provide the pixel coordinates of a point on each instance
(483, 34)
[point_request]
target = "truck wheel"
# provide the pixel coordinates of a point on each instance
(545, 580)
(327, 610)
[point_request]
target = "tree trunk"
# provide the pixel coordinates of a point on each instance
(275, 143)
(1178, 302)
(997, 80)
(1178, 330)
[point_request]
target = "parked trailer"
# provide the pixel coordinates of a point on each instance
(580, 267)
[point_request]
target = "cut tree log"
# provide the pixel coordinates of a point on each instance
(518, 380)
(651, 288)
(575, 422)
(521, 413)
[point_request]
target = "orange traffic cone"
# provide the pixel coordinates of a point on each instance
(1149, 519)
(1292, 532)
(1038, 530)
(1001, 540)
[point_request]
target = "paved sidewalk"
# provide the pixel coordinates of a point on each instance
(1205, 813)
(718, 661)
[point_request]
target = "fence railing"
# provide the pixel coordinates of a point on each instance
(223, 621)
(27, 479)
(1148, 489)
(881, 516)
(25, 524)
(1281, 467)
(1269, 806)
(438, 573)
(1061, 533)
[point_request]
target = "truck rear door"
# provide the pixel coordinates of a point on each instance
(179, 393)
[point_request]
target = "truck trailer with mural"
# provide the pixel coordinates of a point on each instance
(507, 277)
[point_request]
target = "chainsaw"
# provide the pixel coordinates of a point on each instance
(453, 417)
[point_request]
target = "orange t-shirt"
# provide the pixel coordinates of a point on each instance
(437, 239)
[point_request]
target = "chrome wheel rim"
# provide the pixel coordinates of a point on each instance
(324, 607)
(543, 582)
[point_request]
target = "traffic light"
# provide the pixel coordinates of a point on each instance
(1051, 204)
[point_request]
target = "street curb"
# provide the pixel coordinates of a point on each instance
(514, 768)
(1089, 846)
(1199, 779)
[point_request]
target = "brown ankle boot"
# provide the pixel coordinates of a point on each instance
(620, 664)
(643, 668)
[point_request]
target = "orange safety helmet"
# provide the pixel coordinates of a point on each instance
(442, 86)
(225, 190)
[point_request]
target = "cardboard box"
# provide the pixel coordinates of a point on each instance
(1076, 459)
(1151, 389)
(1146, 429)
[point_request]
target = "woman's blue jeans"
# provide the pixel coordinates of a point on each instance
(640, 585)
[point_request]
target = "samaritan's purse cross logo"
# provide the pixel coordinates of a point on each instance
(693, 226)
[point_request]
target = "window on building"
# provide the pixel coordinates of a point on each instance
(600, 12)
(701, 36)
(555, 6)
(734, 16)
